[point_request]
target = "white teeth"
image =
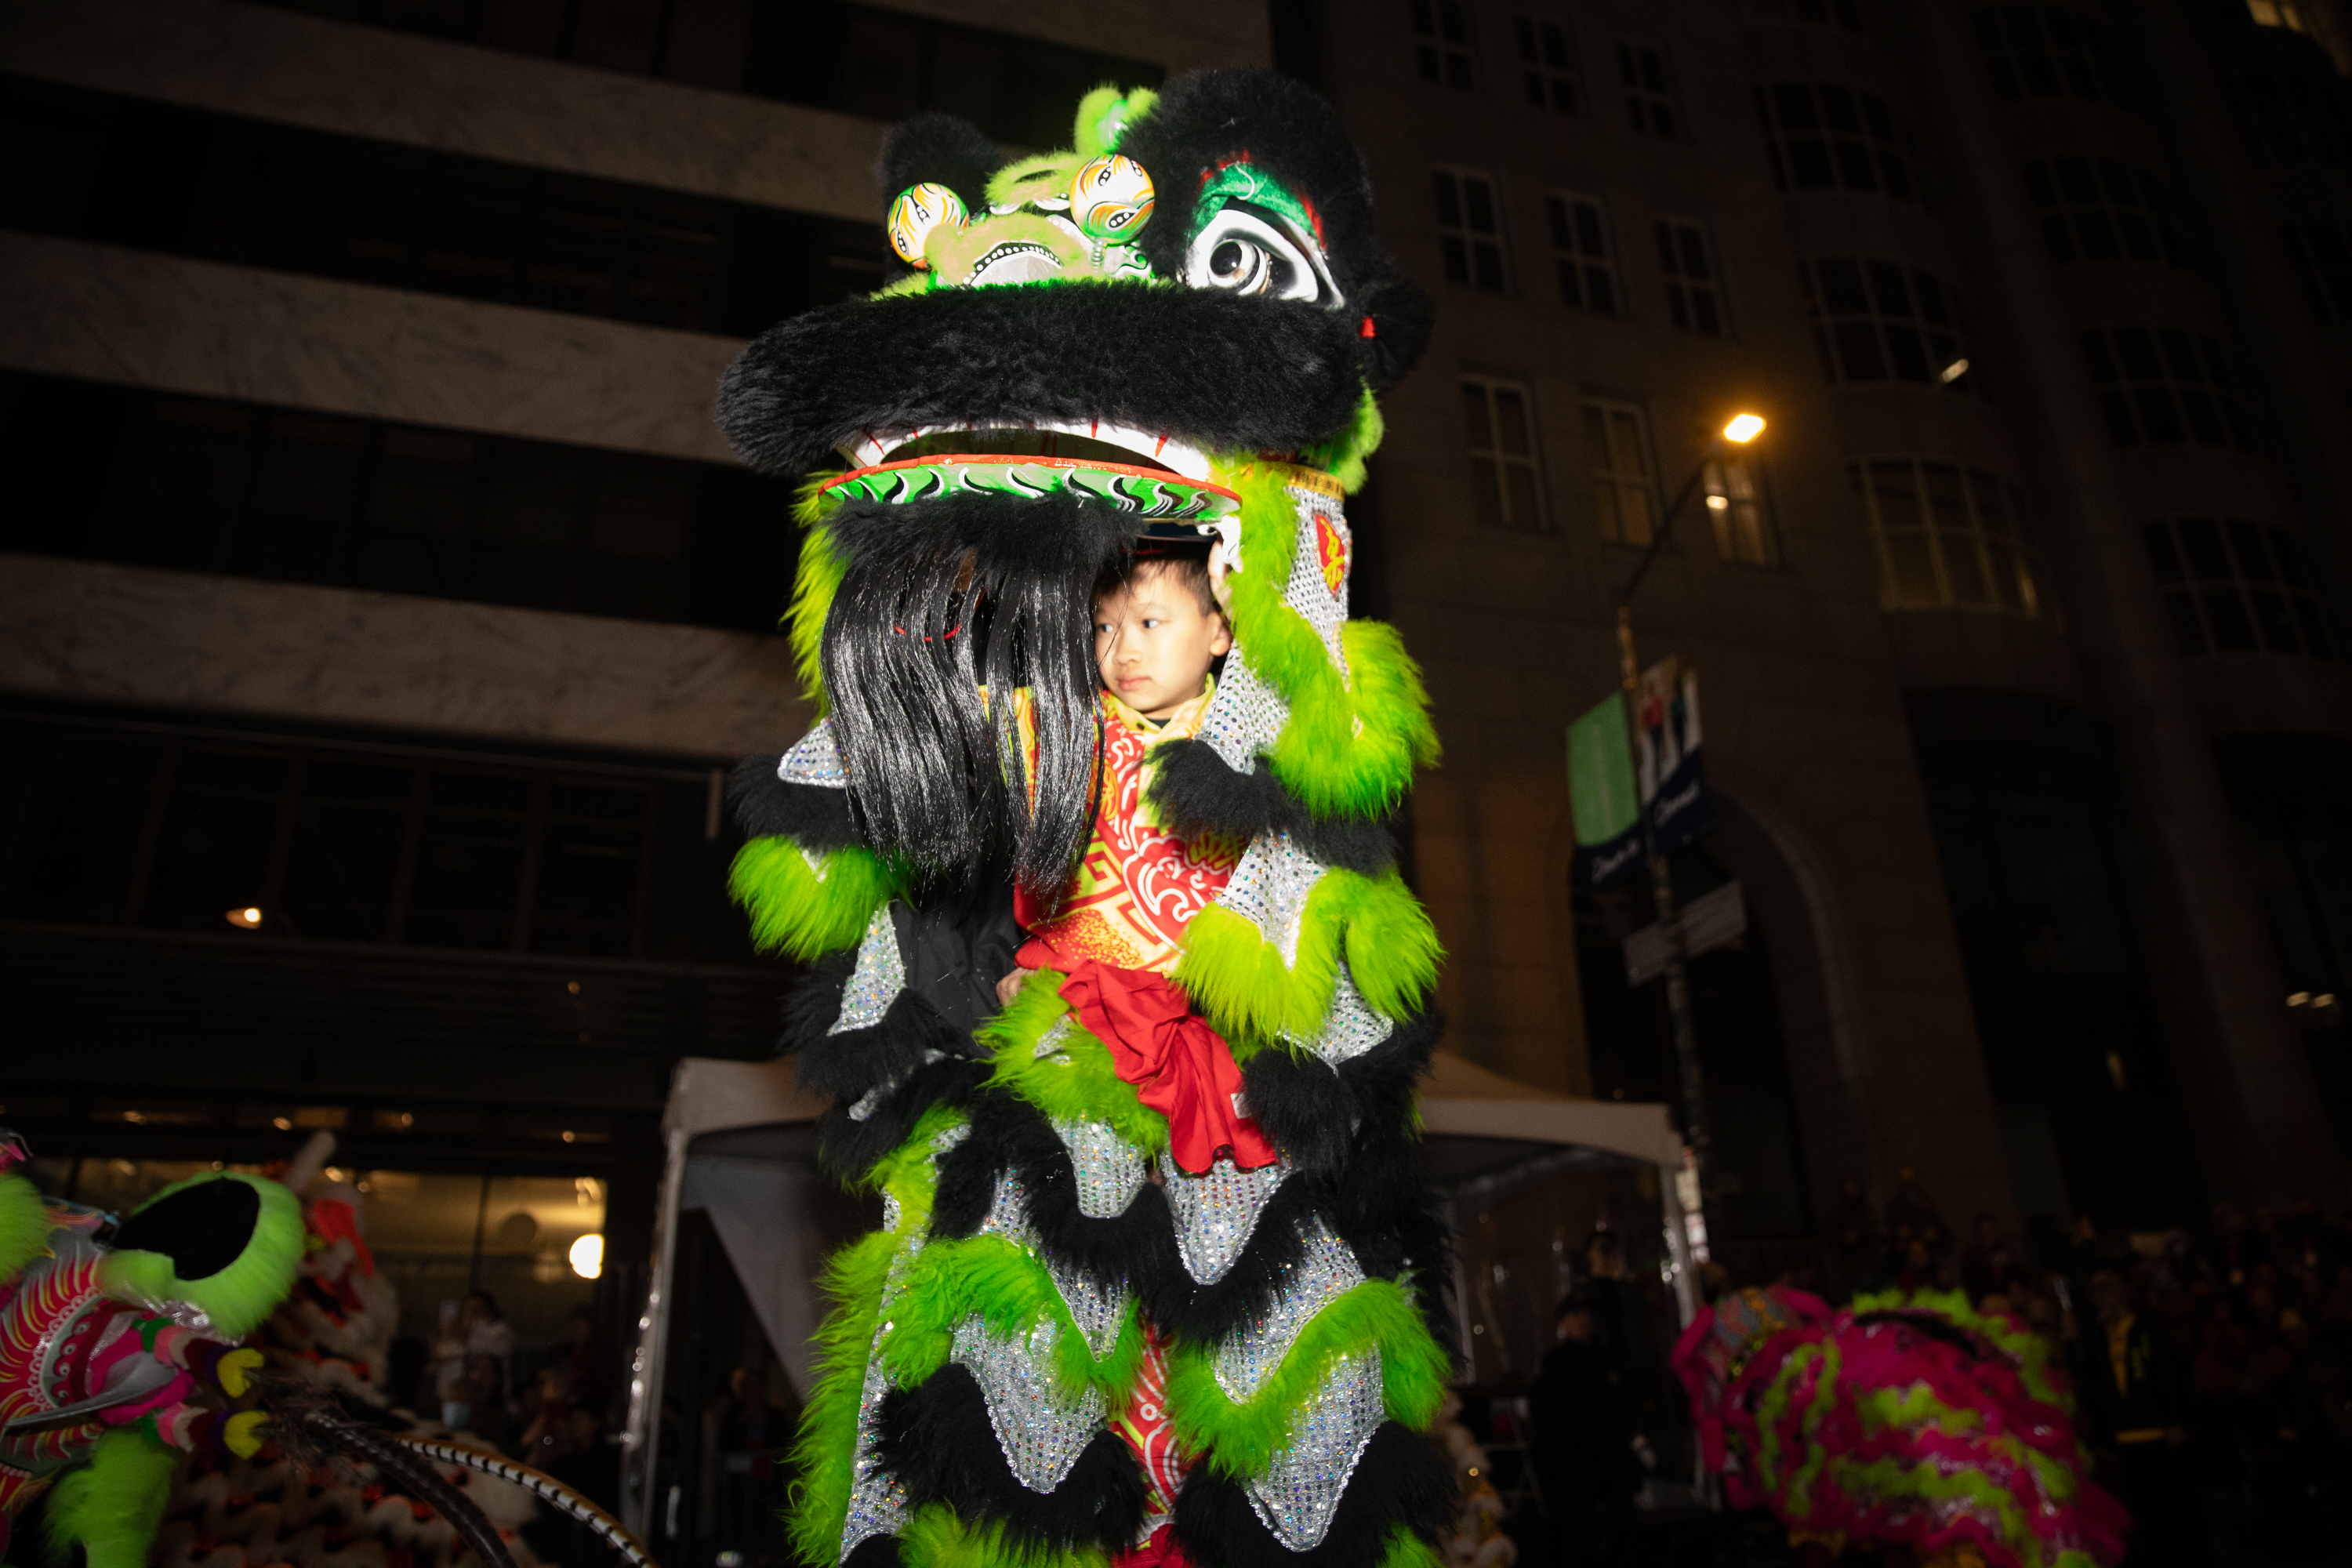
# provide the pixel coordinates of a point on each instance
(872, 446)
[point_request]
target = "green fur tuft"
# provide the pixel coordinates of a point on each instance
(112, 1505)
(1080, 1083)
(813, 586)
(23, 1226)
(238, 1297)
(1407, 1549)
(1014, 1293)
(825, 1452)
(806, 910)
(1344, 455)
(1242, 1439)
(1352, 746)
(1240, 980)
(936, 1538)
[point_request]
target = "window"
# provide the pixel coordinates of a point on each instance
(1735, 503)
(2043, 51)
(210, 485)
(1469, 230)
(1547, 68)
(1825, 137)
(1878, 320)
(2291, 119)
(2322, 249)
(1691, 279)
(2234, 586)
(1505, 485)
(2103, 210)
(1650, 100)
(1624, 491)
(1580, 244)
(1846, 13)
(2163, 386)
(1948, 537)
(1441, 42)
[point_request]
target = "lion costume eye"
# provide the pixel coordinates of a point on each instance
(1247, 251)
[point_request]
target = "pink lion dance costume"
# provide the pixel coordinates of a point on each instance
(1913, 1422)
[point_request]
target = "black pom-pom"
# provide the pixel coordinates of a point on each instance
(1402, 1482)
(1195, 793)
(941, 149)
(765, 806)
(938, 1440)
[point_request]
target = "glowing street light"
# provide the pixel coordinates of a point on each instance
(247, 919)
(1744, 428)
(587, 1256)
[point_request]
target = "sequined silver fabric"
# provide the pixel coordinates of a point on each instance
(1040, 1428)
(876, 982)
(1055, 1041)
(815, 759)
(1325, 1271)
(1350, 1027)
(1108, 1168)
(1008, 1213)
(1308, 590)
(1098, 1310)
(878, 1499)
(1217, 1211)
(1245, 716)
(1269, 887)
(867, 1103)
(1300, 1491)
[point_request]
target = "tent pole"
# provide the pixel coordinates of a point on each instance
(642, 1447)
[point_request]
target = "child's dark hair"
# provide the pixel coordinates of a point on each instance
(1187, 565)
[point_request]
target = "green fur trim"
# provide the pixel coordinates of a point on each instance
(112, 1505)
(1978, 1492)
(1344, 455)
(1350, 746)
(936, 1538)
(814, 585)
(2027, 1349)
(825, 1451)
(23, 1226)
(807, 910)
(1242, 1439)
(239, 1297)
(1407, 1549)
(1078, 1083)
(910, 1173)
(1014, 1293)
(1253, 997)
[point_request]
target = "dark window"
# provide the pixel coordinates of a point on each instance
(2320, 248)
(1876, 320)
(1850, 15)
(858, 59)
(2047, 51)
(1580, 253)
(1506, 479)
(1441, 43)
(1825, 137)
(1624, 485)
(129, 171)
(1694, 281)
(2293, 118)
(2103, 210)
(106, 473)
(1652, 105)
(1546, 64)
(2163, 386)
(1470, 230)
(1948, 537)
(2234, 586)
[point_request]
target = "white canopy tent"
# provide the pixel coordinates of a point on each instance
(741, 1142)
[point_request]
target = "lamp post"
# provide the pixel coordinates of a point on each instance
(1742, 429)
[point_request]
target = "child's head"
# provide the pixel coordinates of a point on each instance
(1157, 631)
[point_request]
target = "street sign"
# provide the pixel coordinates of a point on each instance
(1600, 792)
(1666, 756)
(1709, 921)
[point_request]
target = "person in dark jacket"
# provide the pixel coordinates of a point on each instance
(2133, 1386)
(1583, 1452)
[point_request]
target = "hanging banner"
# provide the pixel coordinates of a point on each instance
(1666, 756)
(1602, 793)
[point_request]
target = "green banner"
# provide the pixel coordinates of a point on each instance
(1601, 774)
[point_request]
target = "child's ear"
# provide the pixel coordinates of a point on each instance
(1222, 643)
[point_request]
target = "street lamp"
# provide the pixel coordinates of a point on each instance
(1742, 429)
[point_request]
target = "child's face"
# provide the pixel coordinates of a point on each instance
(1154, 643)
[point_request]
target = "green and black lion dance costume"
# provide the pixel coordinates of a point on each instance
(1158, 1281)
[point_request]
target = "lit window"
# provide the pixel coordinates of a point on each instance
(2233, 587)
(2044, 51)
(1650, 101)
(1825, 137)
(2161, 387)
(1441, 42)
(2288, 14)
(1505, 484)
(1948, 537)
(2291, 119)
(1580, 244)
(2322, 249)
(1547, 67)
(1691, 283)
(2103, 210)
(1624, 494)
(1877, 321)
(1734, 504)
(1469, 230)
